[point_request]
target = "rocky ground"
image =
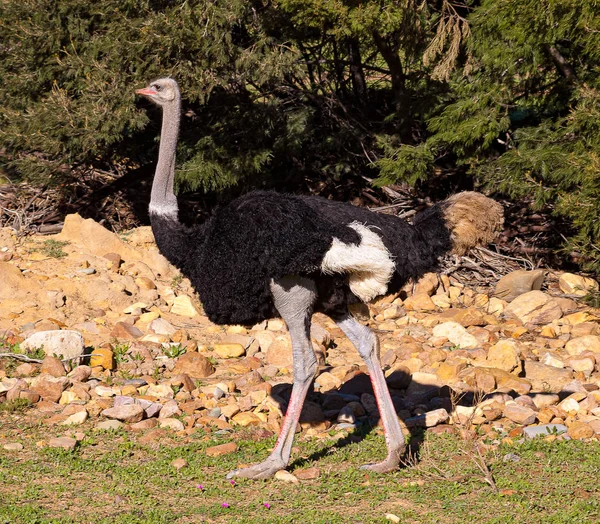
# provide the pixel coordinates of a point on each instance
(114, 337)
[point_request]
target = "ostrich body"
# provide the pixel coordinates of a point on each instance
(267, 254)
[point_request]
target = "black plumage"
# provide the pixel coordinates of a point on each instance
(232, 258)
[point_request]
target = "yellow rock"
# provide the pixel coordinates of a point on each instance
(576, 284)
(138, 305)
(548, 331)
(159, 339)
(236, 330)
(103, 357)
(145, 283)
(146, 318)
(67, 397)
(578, 318)
(247, 418)
(229, 350)
(129, 390)
(182, 306)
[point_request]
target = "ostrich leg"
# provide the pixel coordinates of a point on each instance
(367, 345)
(294, 298)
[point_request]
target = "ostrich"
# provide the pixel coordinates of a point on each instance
(267, 254)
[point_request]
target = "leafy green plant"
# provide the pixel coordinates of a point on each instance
(173, 350)
(120, 351)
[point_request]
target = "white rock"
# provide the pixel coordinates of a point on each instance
(76, 419)
(456, 334)
(65, 344)
(286, 476)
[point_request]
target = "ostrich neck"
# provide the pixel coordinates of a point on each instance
(163, 200)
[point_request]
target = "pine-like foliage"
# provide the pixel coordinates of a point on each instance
(70, 68)
(524, 119)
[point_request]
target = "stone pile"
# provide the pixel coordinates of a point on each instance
(127, 346)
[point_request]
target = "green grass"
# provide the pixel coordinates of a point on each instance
(53, 248)
(112, 477)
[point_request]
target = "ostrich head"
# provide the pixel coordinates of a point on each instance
(161, 91)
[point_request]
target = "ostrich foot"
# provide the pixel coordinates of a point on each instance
(264, 470)
(391, 463)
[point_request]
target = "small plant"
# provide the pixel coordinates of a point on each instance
(173, 350)
(137, 356)
(212, 360)
(12, 406)
(177, 279)
(53, 248)
(592, 298)
(119, 351)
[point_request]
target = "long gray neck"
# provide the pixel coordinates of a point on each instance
(163, 200)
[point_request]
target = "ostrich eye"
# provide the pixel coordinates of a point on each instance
(157, 87)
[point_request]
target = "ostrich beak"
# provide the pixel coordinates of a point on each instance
(146, 91)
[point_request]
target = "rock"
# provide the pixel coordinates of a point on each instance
(160, 326)
(570, 406)
(398, 377)
(578, 345)
(456, 334)
(307, 473)
(534, 307)
(179, 463)
(427, 284)
(182, 306)
(76, 419)
(103, 357)
(584, 364)
(50, 388)
(519, 414)
(419, 302)
(13, 446)
(546, 378)
(448, 371)
(519, 282)
(160, 390)
(247, 418)
(423, 385)
(328, 381)
(125, 331)
(544, 430)
(110, 425)
(229, 350)
(63, 343)
(172, 423)
(429, 419)
(53, 366)
(80, 373)
(504, 355)
(148, 423)
(576, 284)
(222, 449)
(169, 409)
(579, 430)
(67, 443)
(468, 317)
(129, 413)
(279, 352)
(145, 283)
(393, 311)
(346, 416)
(26, 370)
(194, 365)
(104, 391)
(286, 476)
